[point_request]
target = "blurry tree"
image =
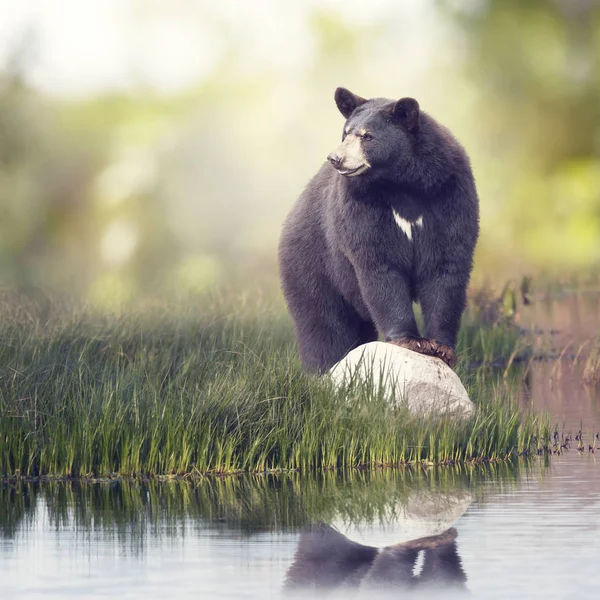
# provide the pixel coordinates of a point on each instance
(137, 191)
(44, 227)
(535, 66)
(60, 228)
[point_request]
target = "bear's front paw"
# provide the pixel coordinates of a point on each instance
(428, 347)
(446, 353)
(417, 344)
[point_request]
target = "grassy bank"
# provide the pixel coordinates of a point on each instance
(175, 389)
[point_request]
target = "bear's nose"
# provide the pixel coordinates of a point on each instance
(335, 160)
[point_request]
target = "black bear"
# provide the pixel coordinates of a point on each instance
(392, 218)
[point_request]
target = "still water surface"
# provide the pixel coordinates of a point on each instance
(527, 531)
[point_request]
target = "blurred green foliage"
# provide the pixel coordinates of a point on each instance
(140, 192)
(44, 174)
(536, 69)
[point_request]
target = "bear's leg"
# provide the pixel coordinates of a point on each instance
(387, 295)
(389, 298)
(367, 332)
(327, 329)
(442, 301)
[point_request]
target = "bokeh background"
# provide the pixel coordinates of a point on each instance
(151, 147)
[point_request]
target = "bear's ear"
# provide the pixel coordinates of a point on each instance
(347, 101)
(406, 111)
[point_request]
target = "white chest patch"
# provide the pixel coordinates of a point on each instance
(407, 226)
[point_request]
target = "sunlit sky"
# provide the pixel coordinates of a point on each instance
(81, 47)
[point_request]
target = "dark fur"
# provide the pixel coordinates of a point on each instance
(348, 271)
(327, 560)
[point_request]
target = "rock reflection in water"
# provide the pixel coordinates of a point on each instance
(420, 513)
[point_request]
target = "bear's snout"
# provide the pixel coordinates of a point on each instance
(335, 159)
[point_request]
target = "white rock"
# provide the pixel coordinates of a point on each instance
(425, 383)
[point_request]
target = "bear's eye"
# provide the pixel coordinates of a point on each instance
(367, 137)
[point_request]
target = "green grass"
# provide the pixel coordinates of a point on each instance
(176, 390)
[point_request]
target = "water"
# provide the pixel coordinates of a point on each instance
(532, 531)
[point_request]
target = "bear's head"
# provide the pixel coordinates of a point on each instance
(378, 135)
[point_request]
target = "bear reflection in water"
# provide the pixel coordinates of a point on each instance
(326, 560)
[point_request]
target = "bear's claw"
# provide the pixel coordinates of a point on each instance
(428, 347)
